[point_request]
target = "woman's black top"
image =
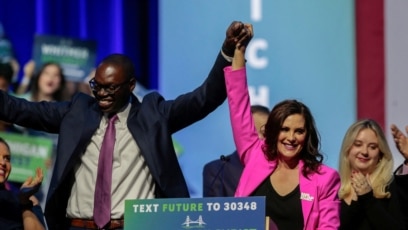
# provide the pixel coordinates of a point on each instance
(372, 213)
(284, 211)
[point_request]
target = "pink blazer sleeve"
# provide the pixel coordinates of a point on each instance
(243, 127)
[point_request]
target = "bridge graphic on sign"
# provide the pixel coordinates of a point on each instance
(188, 223)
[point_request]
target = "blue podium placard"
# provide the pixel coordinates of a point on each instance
(215, 213)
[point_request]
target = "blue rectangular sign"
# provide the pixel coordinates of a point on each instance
(215, 213)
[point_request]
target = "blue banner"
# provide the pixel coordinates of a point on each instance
(301, 50)
(217, 213)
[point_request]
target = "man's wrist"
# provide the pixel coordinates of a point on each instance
(226, 57)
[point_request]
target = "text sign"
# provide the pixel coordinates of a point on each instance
(76, 57)
(217, 213)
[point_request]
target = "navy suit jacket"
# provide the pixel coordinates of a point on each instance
(221, 176)
(151, 123)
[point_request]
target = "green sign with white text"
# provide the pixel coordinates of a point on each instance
(76, 56)
(27, 154)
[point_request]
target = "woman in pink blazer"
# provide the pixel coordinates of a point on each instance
(285, 167)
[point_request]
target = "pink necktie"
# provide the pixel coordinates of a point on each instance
(102, 199)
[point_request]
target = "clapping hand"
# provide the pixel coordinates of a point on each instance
(360, 183)
(401, 141)
(31, 186)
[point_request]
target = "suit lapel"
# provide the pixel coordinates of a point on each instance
(307, 194)
(93, 118)
(132, 122)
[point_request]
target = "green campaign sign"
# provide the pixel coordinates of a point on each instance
(76, 57)
(27, 154)
(215, 213)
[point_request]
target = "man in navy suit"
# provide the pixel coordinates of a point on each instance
(221, 176)
(144, 161)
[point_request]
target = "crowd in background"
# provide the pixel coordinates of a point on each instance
(34, 82)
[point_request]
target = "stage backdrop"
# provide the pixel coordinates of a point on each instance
(396, 69)
(301, 50)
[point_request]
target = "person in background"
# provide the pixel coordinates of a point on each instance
(7, 55)
(6, 75)
(221, 176)
(286, 166)
(22, 211)
(401, 142)
(401, 173)
(93, 175)
(48, 84)
(369, 193)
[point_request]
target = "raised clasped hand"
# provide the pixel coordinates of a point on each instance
(246, 38)
(237, 34)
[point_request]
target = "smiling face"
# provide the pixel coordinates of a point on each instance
(364, 153)
(5, 165)
(49, 80)
(109, 75)
(292, 137)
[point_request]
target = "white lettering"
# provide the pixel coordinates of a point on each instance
(253, 59)
(57, 50)
(259, 96)
(256, 10)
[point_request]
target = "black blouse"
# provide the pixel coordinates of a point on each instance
(370, 213)
(284, 211)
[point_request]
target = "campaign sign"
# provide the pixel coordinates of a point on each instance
(76, 57)
(27, 154)
(215, 213)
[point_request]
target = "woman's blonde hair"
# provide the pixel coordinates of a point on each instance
(381, 177)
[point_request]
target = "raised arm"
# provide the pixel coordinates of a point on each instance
(401, 174)
(244, 132)
(195, 105)
(238, 62)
